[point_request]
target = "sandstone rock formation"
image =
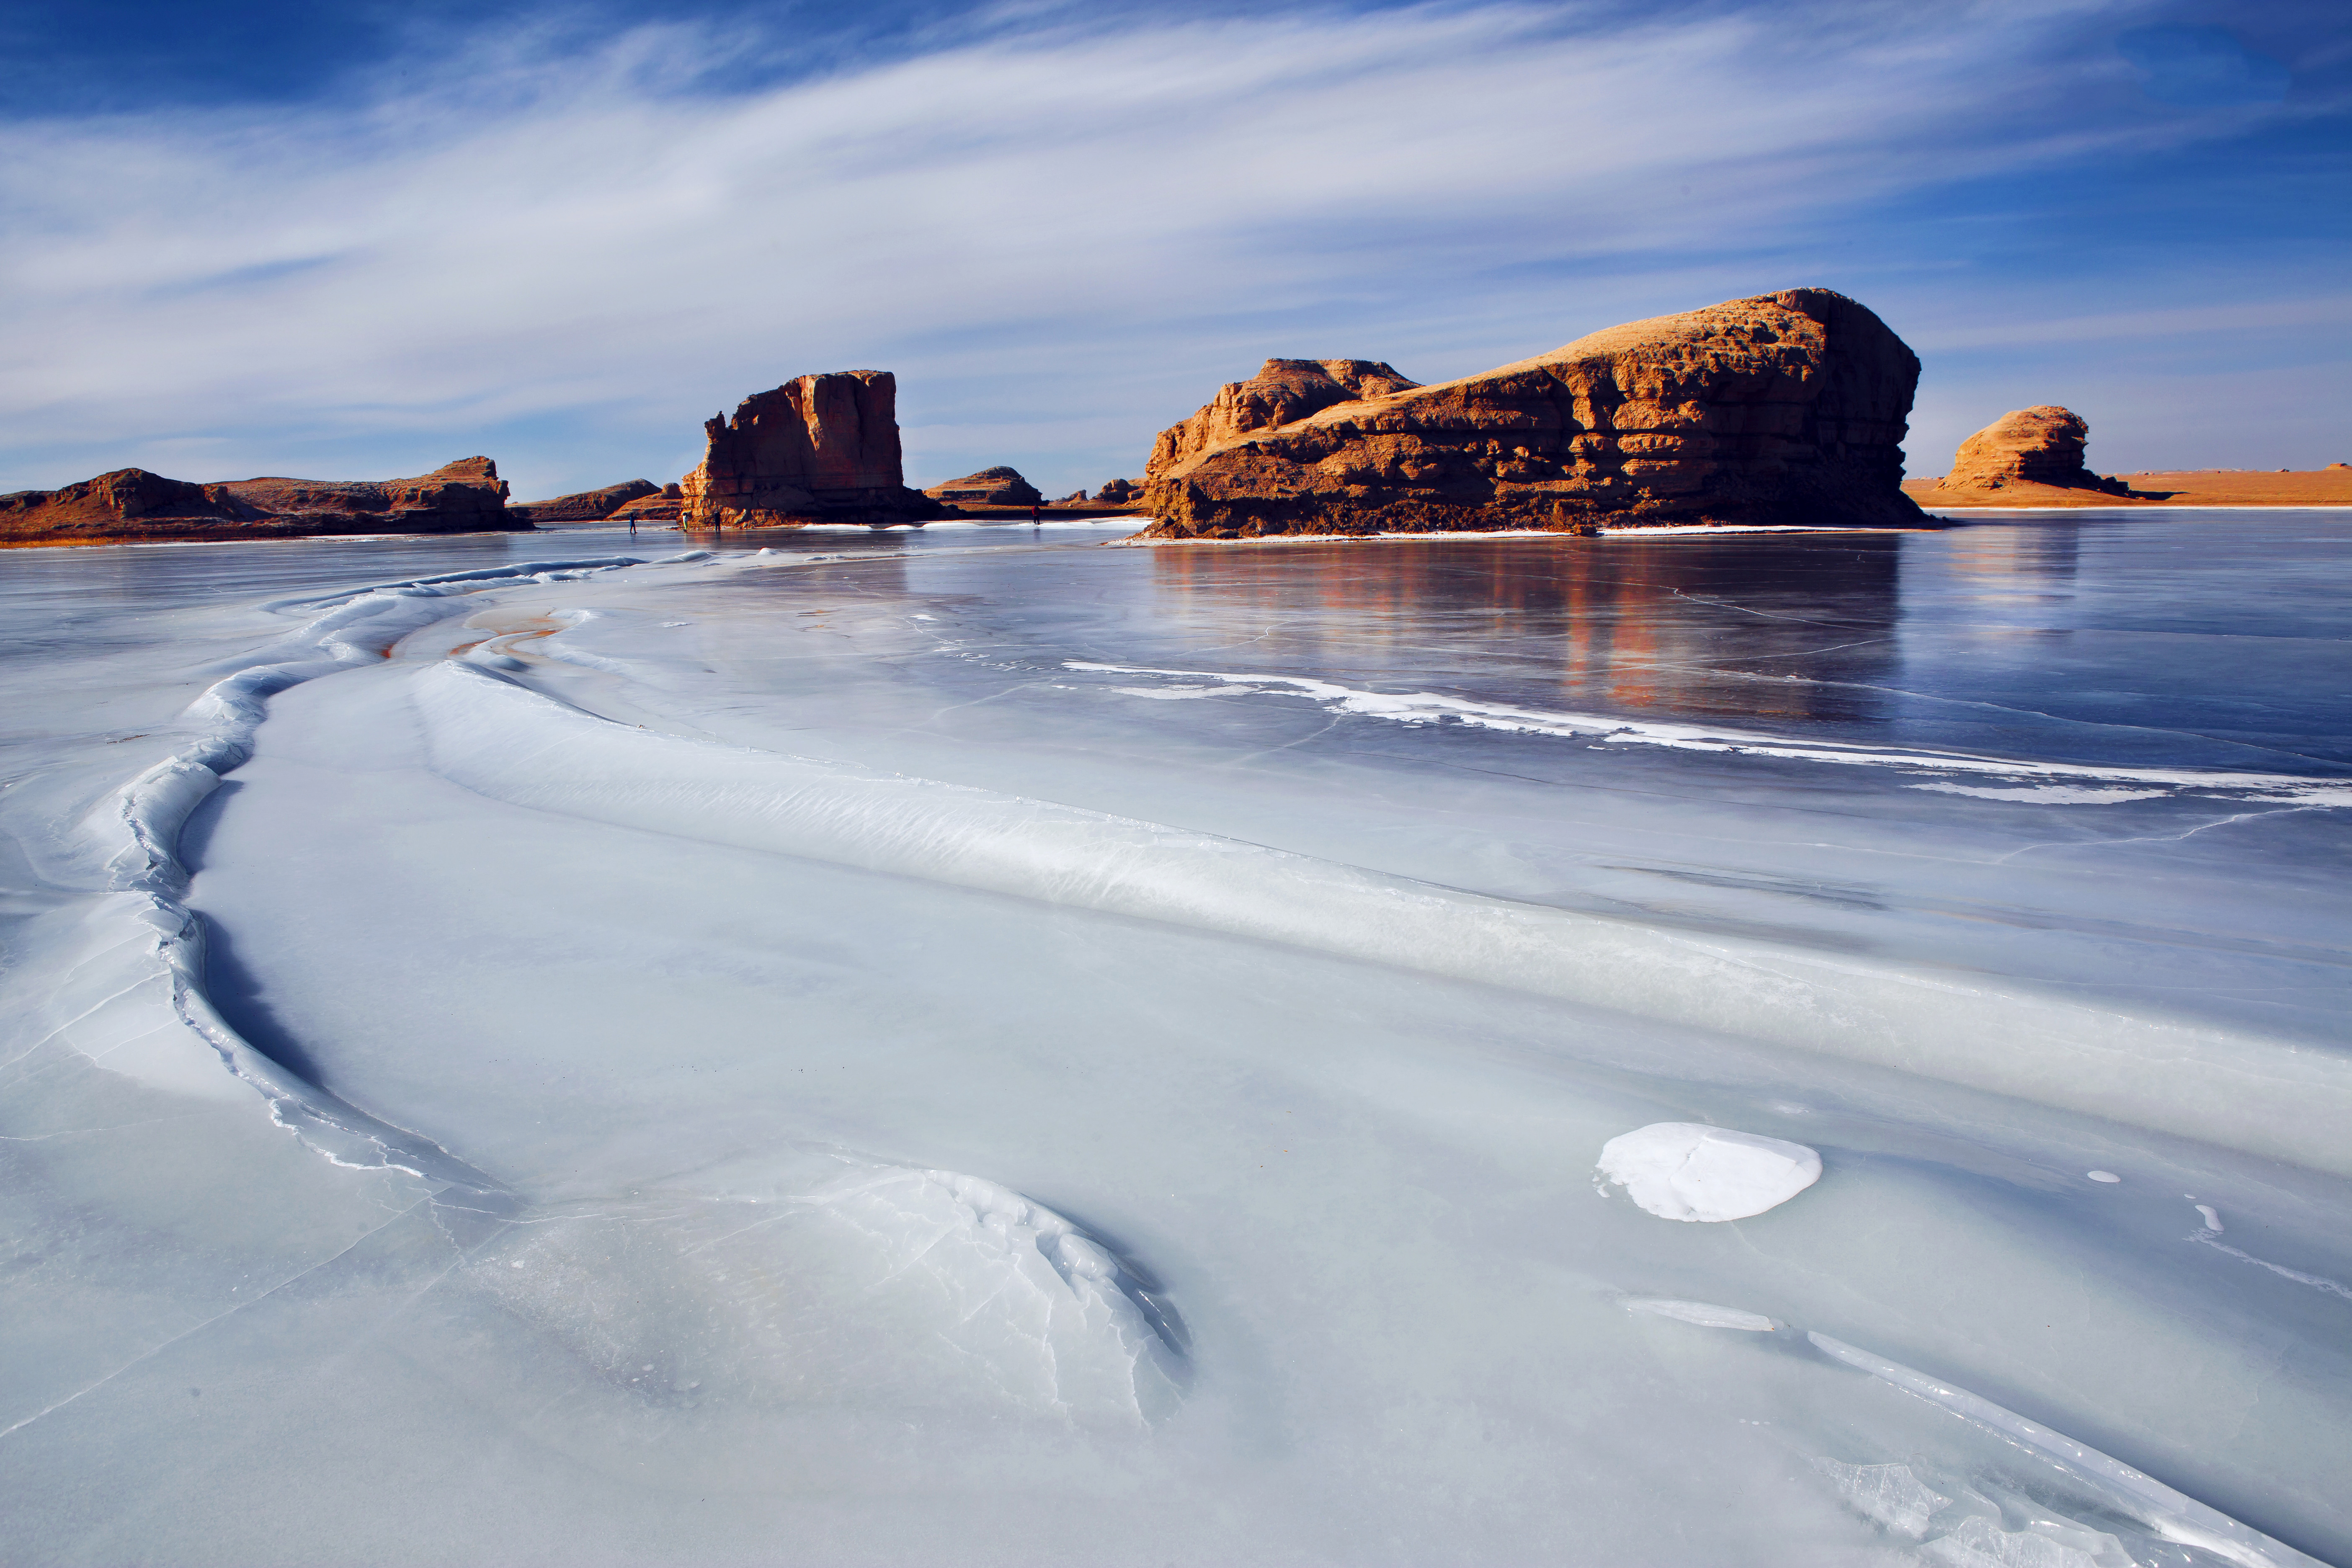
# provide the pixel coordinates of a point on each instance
(663, 506)
(990, 487)
(1120, 492)
(2037, 445)
(1076, 498)
(583, 506)
(132, 503)
(819, 449)
(1285, 391)
(1782, 408)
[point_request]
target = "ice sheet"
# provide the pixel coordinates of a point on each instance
(592, 1061)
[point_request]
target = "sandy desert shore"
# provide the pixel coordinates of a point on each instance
(2185, 487)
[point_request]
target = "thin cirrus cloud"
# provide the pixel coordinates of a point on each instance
(1060, 235)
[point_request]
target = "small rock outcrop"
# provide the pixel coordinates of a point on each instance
(462, 497)
(663, 506)
(1782, 408)
(1285, 391)
(819, 449)
(1076, 498)
(990, 487)
(583, 506)
(1120, 492)
(2037, 445)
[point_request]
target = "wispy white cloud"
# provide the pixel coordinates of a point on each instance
(1070, 229)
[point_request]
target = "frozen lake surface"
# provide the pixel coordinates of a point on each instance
(987, 1047)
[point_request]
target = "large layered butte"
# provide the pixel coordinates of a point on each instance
(1785, 408)
(462, 497)
(819, 449)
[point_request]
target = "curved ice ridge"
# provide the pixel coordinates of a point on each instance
(1893, 1496)
(1430, 707)
(140, 826)
(2233, 1087)
(879, 1286)
(2173, 1515)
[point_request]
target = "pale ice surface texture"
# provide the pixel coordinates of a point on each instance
(994, 1047)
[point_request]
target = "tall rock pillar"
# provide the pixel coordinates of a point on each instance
(819, 449)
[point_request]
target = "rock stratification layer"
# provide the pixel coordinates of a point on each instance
(999, 486)
(1784, 408)
(1283, 392)
(2037, 445)
(583, 506)
(132, 503)
(819, 449)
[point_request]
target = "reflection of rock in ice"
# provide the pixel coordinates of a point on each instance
(886, 1288)
(1681, 1169)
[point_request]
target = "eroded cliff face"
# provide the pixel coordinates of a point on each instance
(990, 487)
(819, 449)
(1782, 408)
(132, 503)
(2038, 446)
(1285, 391)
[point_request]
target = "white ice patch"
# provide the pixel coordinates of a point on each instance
(1182, 693)
(2095, 784)
(1681, 1169)
(2050, 794)
(1705, 1314)
(2108, 1177)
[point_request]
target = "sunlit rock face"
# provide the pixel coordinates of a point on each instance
(1785, 408)
(819, 449)
(132, 503)
(2038, 446)
(1285, 390)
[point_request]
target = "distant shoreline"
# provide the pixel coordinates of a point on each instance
(2175, 487)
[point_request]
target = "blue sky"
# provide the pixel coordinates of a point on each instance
(359, 241)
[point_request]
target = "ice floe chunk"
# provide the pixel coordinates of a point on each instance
(1683, 1170)
(1888, 1495)
(2103, 1175)
(1978, 1542)
(2117, 1487)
